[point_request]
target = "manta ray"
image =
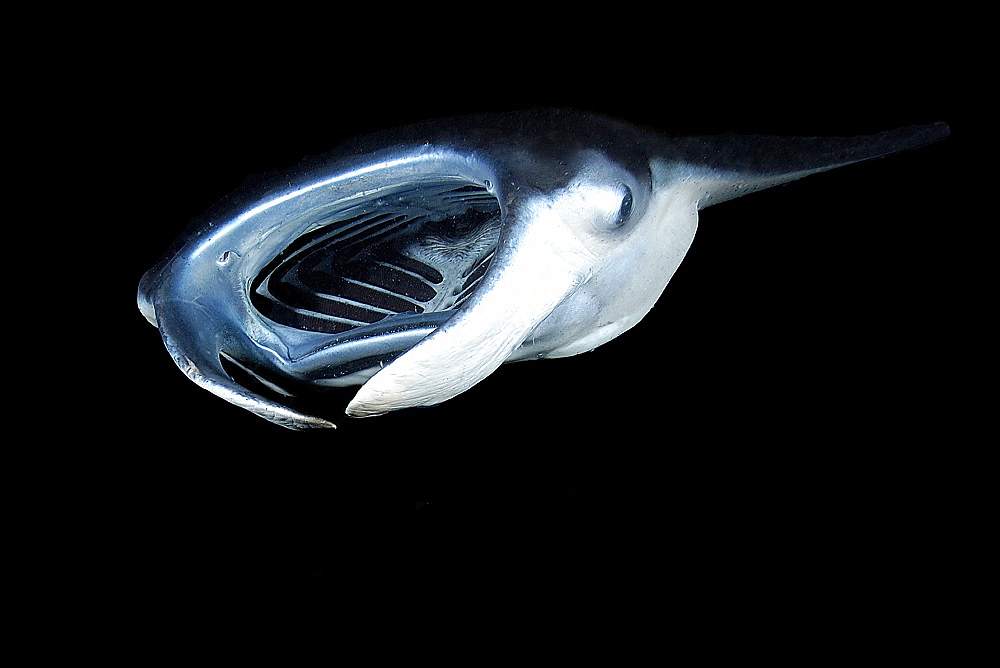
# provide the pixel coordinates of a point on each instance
(414, 262)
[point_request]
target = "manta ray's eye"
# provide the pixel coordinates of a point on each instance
(626, 208)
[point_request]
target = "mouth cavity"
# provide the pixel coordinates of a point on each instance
(374, 278)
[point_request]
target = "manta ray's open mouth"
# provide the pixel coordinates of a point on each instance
(370, 279)
(419, 250)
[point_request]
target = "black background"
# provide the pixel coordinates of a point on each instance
(778, 428)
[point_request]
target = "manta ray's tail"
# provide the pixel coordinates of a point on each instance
(735, 165)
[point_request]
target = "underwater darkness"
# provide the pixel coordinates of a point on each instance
(759, 420)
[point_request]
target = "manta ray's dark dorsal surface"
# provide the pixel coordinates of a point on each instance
(416, 261)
